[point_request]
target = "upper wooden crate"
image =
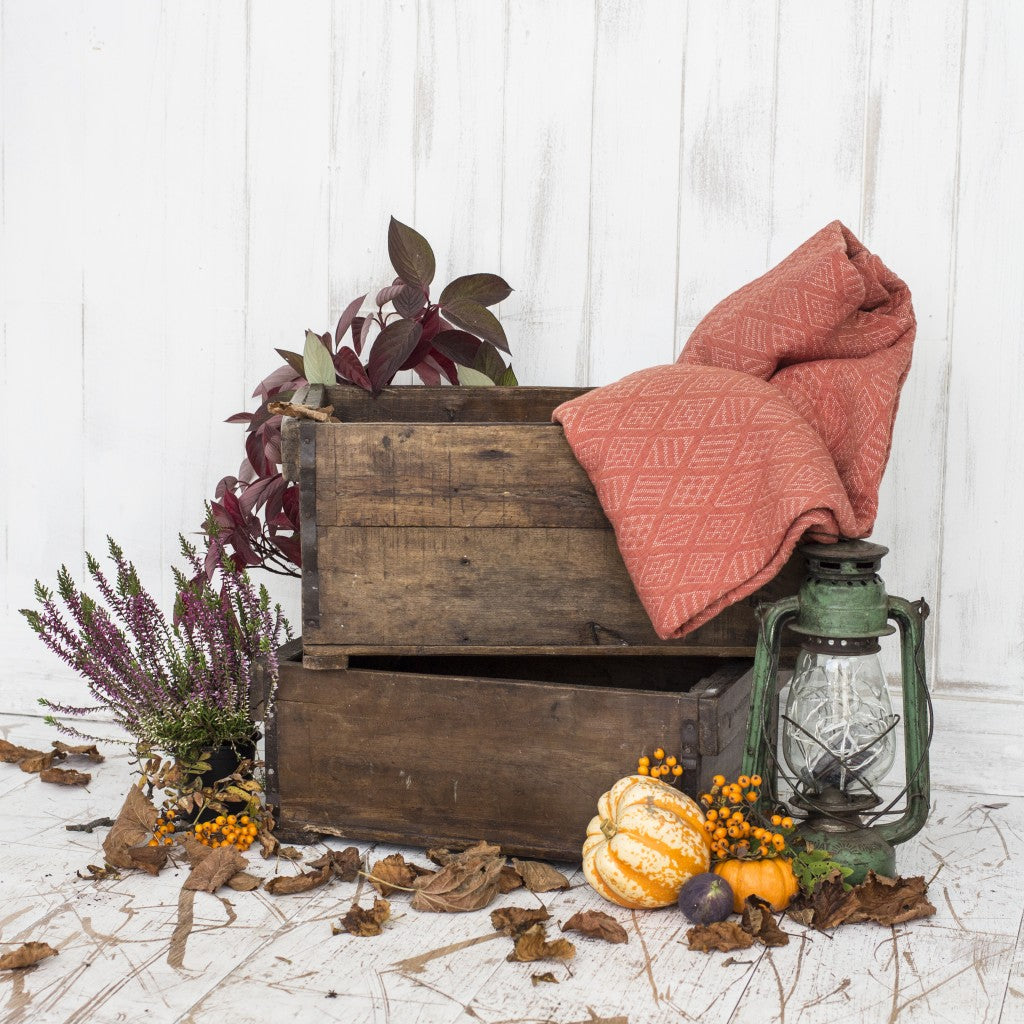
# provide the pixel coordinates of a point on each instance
(443, 520)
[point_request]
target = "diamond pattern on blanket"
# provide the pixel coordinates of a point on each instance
(775, 424)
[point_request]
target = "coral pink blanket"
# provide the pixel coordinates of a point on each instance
(775, 423)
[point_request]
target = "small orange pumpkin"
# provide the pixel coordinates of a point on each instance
(771, 878)
(646, 841)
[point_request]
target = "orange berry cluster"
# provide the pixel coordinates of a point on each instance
(664, 766)
(227, 830)
(734, 831)
(163, 832)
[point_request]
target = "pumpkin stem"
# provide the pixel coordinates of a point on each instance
(608, 828)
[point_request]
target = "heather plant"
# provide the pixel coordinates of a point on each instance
(178, 684)
(453, 339)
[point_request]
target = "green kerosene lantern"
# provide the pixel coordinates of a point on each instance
(839, 733)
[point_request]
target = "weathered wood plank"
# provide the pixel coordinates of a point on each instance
(452, 475)
(520, 586)
(400, 755)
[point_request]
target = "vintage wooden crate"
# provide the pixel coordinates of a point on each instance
(443, 749)
(443, 520)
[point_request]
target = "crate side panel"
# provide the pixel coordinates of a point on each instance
(511, 475)
(425, 759)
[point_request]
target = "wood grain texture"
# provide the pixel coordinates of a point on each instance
(978, 621)
(452, 475)
(729, 119)
(396, 755)
(546, 184)
(637, 112)
(900, 135)
(519, 586)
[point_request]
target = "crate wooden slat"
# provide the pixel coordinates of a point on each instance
(429, 750)
(451, 519)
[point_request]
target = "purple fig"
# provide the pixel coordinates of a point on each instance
(706, 898)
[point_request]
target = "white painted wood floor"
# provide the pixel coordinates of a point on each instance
(252, 957)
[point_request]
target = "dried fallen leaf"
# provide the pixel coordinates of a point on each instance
(135, 824)
(547, 976)
(759, 921)
(509, 880)
(533, 944)
(364, 922)
(890, 901)
(801, 914)
(722, 935)
(513, 920)
(150, 859)
(465, 883)
(269, 844)
(392, 874)
(290, 885)
(39, 762)
(289, 853)
(344, 864)
(195, 851)
(597, 925)
(540, 877)
(27, 955)
(442, 857)
(10, 753)
(65, 776)
(82, 750)
(302, 412)
(214, 870)
(244, 882)
(98, 874)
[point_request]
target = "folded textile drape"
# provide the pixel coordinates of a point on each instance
(774, 423)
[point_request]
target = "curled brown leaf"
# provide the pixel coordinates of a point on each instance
(290, 885)
(134, 825)
(11, 753)
(597, 925)
(344, 864)
(465, 883)
(82, 750)
(27, 955)
(540, 877)
(547, 976)
(509, 880)
(364, 922)
(513, 920)
(533, 944)
(98, 874)
(39, 762)
(393, 874)
(214, 870)
(890, 901)
(724, 936)
(65, 776)
(759, 921)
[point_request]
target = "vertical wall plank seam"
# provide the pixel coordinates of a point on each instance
(332, 158)
(415, 114)
(247, 205)
(584, 369)
(866, 146)
(950, 324)
(775, 132)
(506, 35)
(680, 175)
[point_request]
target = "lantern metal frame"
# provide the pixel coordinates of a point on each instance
(843, 606)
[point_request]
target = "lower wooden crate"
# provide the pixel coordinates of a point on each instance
(432, 750)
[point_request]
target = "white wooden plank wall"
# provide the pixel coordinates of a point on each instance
(186, 186)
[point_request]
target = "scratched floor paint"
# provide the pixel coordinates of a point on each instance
(127, 953)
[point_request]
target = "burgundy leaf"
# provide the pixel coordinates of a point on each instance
(411, 255)
(458, 346)
(347, 318)
(471, 316)
(254, 452)
(293, 359)
(428, 373)
(245, 472)
(290, 503)
(385, 295)
(240, 417)
(409, 301)
(326, 340)
(273, 508)
(291, 548)
(391, 349)
(487, 289)
(429, 328)
(347, 363)
(364, 333)
(445, 365)
(281, 378)
(228, 483)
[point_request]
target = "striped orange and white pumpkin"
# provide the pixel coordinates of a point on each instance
(645, 843)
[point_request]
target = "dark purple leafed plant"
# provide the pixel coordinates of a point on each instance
(177, 685)
(255, 516)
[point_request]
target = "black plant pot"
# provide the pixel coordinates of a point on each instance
(224, 760)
